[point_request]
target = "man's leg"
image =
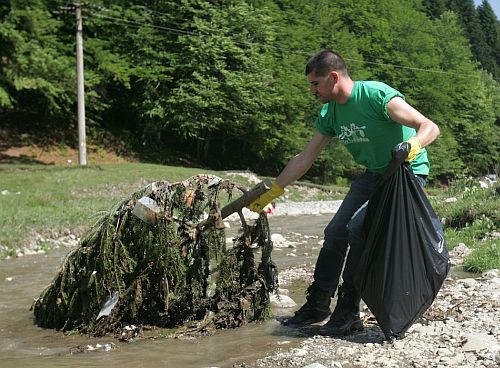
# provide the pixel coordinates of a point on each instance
(331, 258)
(345, 318)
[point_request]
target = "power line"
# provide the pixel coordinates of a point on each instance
(199, 34)
(160, 28)
(148, 25)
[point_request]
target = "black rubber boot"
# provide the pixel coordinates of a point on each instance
(316, 308)
(345, 318)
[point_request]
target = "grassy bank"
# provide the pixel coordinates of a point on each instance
(470, 216)
(54, 199)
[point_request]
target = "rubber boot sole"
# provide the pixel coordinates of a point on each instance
(347, 329)
(306, 322)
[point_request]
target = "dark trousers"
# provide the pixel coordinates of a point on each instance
(345, 232)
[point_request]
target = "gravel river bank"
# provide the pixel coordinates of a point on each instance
(461, 329)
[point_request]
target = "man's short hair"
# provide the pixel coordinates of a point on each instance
(324, 62)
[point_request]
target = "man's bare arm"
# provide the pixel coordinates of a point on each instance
(403, 113)
(301, 163)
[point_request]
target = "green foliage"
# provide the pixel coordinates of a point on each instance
(480, 25)
(334, 163)
(37, 76)
(434, 8)
(222, 84)
(443, 160)
(472, 218)
(473, 204)
(489, 54)
(487, 257)
(469, 118)
(224, 90)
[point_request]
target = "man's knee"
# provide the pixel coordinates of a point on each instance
(355, 224)
(335, 231)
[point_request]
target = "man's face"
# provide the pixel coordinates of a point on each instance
(322, 86)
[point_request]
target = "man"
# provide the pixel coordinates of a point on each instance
(370, 118)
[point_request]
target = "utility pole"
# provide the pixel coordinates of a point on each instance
(82, 145)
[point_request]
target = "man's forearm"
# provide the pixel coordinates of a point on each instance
(427, 133)
(294, 170)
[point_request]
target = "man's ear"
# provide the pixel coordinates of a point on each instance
(334, 75)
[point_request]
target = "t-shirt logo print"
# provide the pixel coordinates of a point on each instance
(352, 134)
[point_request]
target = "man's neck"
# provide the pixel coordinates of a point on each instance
(346, 86)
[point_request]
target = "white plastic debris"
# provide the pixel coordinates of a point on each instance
(109, 305)
(147, 210)
(215, 180)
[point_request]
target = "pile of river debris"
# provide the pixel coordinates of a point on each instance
(159, 258)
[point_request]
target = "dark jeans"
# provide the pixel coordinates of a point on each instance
(346, 229)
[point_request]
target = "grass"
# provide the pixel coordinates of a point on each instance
(486, 257)
(48, 199)
(470, 216)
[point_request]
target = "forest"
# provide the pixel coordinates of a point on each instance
(220, 84)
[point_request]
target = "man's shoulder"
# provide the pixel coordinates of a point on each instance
(372, 84)
(378, 91)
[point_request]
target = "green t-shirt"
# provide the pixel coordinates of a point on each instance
(363, 125)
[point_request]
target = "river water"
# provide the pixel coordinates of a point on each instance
(23, 344)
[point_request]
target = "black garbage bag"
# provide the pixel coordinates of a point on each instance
(405, 260)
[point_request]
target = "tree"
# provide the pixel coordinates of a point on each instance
(471, 22)
(466, 105)
(37, 77)
(434, 8)
(489, 53)
(222, 96)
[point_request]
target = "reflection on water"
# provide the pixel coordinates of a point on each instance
(22, 344)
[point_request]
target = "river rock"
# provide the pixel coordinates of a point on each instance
(279, 241)
(468, 283)
(480, 341)
(458, 254)
(315, 365)
(282, 301)
(491, 274)
(306, 208)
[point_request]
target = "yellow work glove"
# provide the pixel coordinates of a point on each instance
(264, 199)
(415, 148)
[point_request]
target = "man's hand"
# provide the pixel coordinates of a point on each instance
(411, 148)
(415, 148)
(261, 202)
